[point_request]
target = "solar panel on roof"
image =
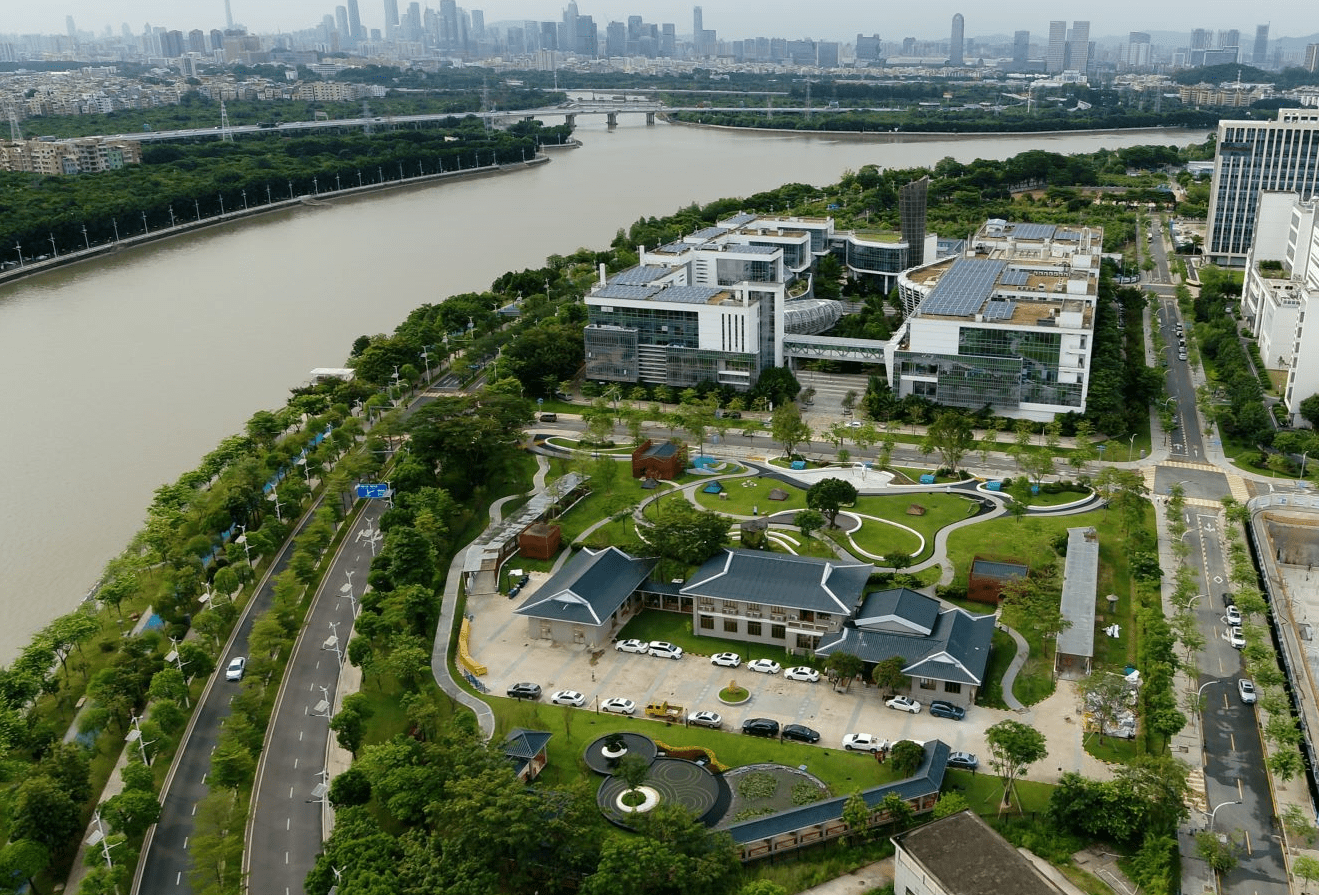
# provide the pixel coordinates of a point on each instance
(1067, 236)
(964, 288)
(750, 249)
(674, 248)
(621, 290)
(639, 276)
(1033, 231)
(1014, 278)
(738, 220)
(999, 310)
(694, 295)
(708, 233)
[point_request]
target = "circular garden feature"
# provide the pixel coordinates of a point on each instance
(763, 789)
(603, 760)
(670, 780)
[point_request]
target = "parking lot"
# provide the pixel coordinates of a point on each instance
(500, 640)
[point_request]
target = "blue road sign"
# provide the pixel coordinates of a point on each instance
(373, 490)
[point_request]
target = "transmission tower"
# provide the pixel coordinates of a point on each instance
(226, 134)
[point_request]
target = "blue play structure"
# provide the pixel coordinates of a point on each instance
(713, 488)
(703, 462)
(798, 464)
(993, 486)
(927, 478)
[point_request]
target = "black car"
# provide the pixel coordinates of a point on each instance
(524, 690)
(964, 760)
(761, 727)
(801, 733)
(941, 709)
(1228, 600)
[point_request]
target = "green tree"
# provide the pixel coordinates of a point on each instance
(949, 803)
(1222, 856)
(350, 787)
(1013, 747)
(1306, 867)
(349, 729)
(844, 666)
(788, 428)
(906, 757)
(633, 770)
(683, 533)
(23, 859)
(131, 812)
(44, 813)
(888, 676)
(1105, 695)
(856, 814)
(952, 435)
(829, 496)
(809, 521)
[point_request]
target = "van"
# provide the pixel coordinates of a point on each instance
(549, 417)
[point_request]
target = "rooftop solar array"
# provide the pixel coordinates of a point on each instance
(1032, 231)
(738, 220)
(692, 295)
(622, 290)
(999, 310)
(1068, 235)
(748, 249)
(708, 233)
(639, 276)
(674, 248)
(1014, 278)
(964, 288)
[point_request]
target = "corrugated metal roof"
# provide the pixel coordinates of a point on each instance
(1080, 585)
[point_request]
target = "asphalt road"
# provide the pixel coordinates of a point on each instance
(165, 862)
(285, 831)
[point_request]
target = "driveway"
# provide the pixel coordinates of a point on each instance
(500, 640)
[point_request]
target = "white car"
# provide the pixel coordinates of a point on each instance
(618, 705)
(632, 646)
(706, 719)
(764, 666)
(1234, 636)
(802, 673)
(664, 649)
(864, 742)
(854, 424)
(727, 660)
(568, 697)
(235, 670)
(1233, 615)
(904, 704)
(1246, 690)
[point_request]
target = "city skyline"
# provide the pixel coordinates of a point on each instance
(732, 19)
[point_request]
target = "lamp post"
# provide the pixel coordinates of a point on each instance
(1213, 813)
(242, 539)
(87, 243)
(347, 591)
(53, 251)
(135, 736)
(426, 359)
(98, 838)
(114, 222)
(18, 246)
(1192, 600)
(197, 209)
(145, 228)
(1131, 446)
(1303, 456)
(244, 200)
(221, 197)
(275, 491)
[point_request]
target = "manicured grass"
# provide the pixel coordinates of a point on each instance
(880, 539)
(575, 729)
(1113, 750)
(984, 791)
(1001, 653)
(940, 510)
(1045, 499)
(748, 494)
(626, 492)
(675, 627)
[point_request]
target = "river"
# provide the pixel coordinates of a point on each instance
(122, 372)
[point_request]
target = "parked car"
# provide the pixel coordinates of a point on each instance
(524, 690)
(964, 760)
(235, 670)
(549, 417)
(706, 719)
(760, 727)
(1228, 599)
(904, 704)
(568, 697)
(1233, 615)
(801, 733)
(941, 709)
(764, 666)
(802, 673)
(618, 705)
(864, 742)
(632, 646)
(664, 649)
(727, 660)
(1246, 690)
(1234, 636)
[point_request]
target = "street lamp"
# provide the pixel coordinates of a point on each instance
(53, 251)
(242, 539)
(87, 243)
(1215, 811)
(135, 736)
(275, 491)
(1131, 446)
(347, 591)
(1188, 606)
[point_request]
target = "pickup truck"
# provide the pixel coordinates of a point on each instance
(666, 710)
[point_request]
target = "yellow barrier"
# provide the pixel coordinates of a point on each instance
(464, 656)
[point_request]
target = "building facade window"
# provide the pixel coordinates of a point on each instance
(707, 623)
(952, 687)
(778, 632)
(927, 683)
(730, 626)
(753, 629)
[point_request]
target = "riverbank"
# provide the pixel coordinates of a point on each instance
(931, 136)
(319, 198)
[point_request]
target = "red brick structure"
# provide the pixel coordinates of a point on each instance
(659, 460)
(540, 540)
(988, 576)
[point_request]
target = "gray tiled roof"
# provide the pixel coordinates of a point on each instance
(957, 650)
(927, 780)
(589, 588)
(898, 608)
(523, 743)
(796, 582)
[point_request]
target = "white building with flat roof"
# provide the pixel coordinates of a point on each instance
(1010, 324)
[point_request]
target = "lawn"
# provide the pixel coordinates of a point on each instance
(880, 539)
(1045, 499)
(626, 492)
(746, 495)
(940, 510)
(574, 729)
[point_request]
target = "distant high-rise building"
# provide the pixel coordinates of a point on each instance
(1138, 49)
(1253, 156)
(1078, 48)
(698, 31)
(1056, 57)
(478, 24)
(615, 39)
(1021, 48)
(570, 42)
(911, 214)
(1260, 55)
(1200, 39)
(955, 40)
(71, 28)
(909, 46)
(668, 40)
(341, 20)
(867, 48)
(391, 19)
(196, 41)
(1312, 57)
(355, 21)
(228, 16)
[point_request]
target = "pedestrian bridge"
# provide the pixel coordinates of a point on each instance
(866, 351)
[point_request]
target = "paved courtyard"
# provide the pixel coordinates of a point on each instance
(501, 641)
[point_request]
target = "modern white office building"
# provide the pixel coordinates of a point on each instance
(1009, 324)
(1281, 282)
(1253, 157)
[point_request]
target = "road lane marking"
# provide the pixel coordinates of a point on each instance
(194, 809)
(178, 879)
(185, 841)
(295, 763)
(288, 823)
(1250, 851)
(290, 792)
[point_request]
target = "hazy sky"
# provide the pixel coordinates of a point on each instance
(732, 19)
